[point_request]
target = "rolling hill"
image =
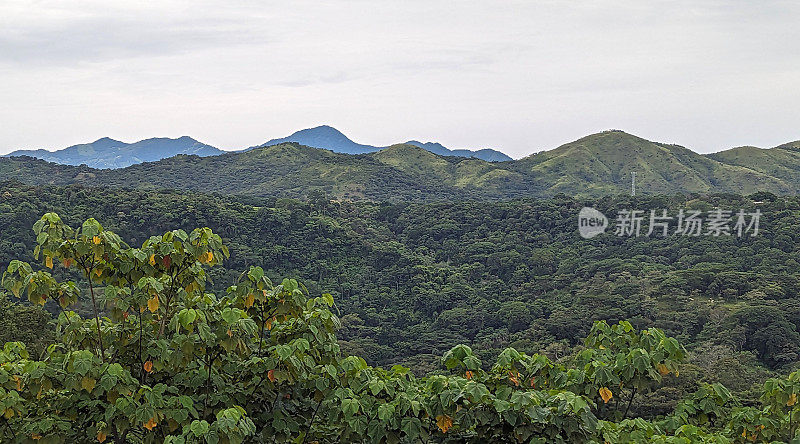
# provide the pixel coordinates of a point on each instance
(595, 165)
(782, 162)
(602, 163)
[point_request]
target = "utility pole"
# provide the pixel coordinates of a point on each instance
(633, 183)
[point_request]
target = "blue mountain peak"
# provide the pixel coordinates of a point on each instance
(329, 138)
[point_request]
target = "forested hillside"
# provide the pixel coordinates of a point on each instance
(593, 166)
(412, 280)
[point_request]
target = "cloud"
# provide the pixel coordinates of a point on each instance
(515, 75)
(69, 37)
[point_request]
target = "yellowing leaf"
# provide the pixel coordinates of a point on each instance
(444, 423)
(606, 394)
(148, 366)
(468, 374)
(150, 425)
(9, 413)
(96, 240)
(98, 272)
(88, 383)
(152, 303)
(271, 375)
(18, 380)
(48, 262)
(206, 257)
(250, 300)
(101, 436)
(792, 400)
(36, 436)
(66, 262)
(663, 369)
(153, 260)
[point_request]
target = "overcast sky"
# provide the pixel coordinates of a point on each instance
(515, 76)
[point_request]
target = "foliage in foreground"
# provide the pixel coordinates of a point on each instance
(162, 360)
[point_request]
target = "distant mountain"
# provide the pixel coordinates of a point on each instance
(329, 138)
(484, 154)
(595, 165)
(110, 153)
(325, 137)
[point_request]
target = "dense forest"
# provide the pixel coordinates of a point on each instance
(156, 354)
(412, 280)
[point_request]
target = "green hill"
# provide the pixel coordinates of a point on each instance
(285, 170)
(595, 165)
(782, 162)
(602, 163)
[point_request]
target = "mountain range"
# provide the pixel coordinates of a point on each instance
(329, 138)
(110, 153)
(595, 165)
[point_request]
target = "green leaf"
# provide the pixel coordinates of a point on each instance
(231, 315)
(199, 428)
(350, 406)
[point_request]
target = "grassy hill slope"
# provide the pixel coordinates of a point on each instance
(602, 163)
(782, 162)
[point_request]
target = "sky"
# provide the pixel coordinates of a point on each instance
(517, 76)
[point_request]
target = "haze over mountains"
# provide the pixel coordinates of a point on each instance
(329, 138)
(595, 165)
(110, 153)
